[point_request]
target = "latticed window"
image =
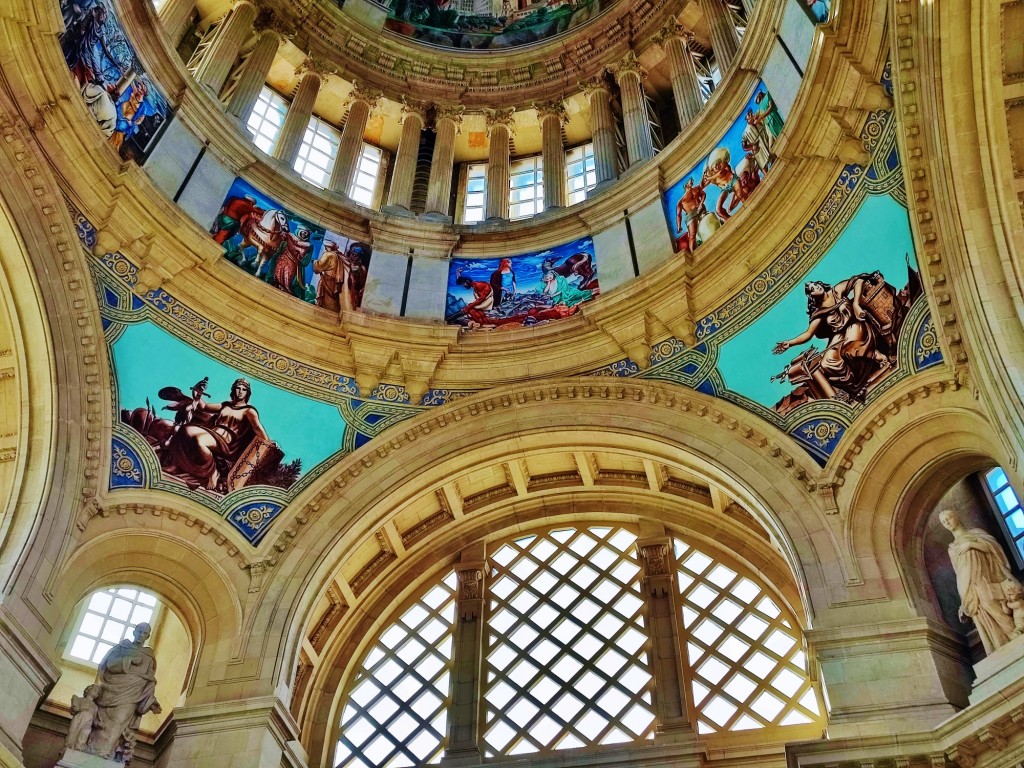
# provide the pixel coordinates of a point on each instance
(396, 715)
(747, 664)
(266, 119)
(526, 187)
(566, 662)
(318, 152)
(580, 172)
(109, 617)
(476, 192)
(368, 172)
(1010, 513)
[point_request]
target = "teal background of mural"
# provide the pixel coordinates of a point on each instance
(878, 238)
(147, 358)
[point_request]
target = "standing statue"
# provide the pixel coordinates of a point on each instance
(107, 716)
(989, 592)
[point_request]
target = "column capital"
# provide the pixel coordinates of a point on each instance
(453, 112)
(673, 30)
(268, 20)
(593, 86)
(413, 107)
(470, 591)
(316, 64)
(655, 556)
(496, 117)
(551, 109)
(629, 64)
(361, 92)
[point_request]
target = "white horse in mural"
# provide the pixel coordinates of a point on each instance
(266, 234)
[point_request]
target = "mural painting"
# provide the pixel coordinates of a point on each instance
(212, 429)
(836, 335)
(290, 253)
(817, 10)
(489, 24)
(701, 202)
(522, 290)
(117, 92)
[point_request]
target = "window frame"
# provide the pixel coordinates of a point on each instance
(587, 187)
(537, 201)
(1015, 543)
(376, 193)
(463, 197)
(254, 134)
(76, 631)
(315, 124)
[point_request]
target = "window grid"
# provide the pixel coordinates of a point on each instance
(364, 182)
(581, 173)
(318, 153)
(109, 617)
(747, 667)
(476, 193)
(266, 118)
(564, 670)
(526, 187)
(396, 714)
(1010, 512)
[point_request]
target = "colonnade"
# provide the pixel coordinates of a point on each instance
(238, 83)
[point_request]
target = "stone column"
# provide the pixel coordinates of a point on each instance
(362, 102)
(636, 121)
(254, 74)
(175, 16)
(552, 117)
(602, 131)
(725, 41)
(301, 109)
(439, 186)
(223, 52)
(403, 176)
(658, 585)
(499, 135)
(683, 71)
(467, 660)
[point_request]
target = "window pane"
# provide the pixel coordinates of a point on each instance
(111, 616)
(264, 122)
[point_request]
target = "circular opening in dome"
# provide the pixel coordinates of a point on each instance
(489, 24)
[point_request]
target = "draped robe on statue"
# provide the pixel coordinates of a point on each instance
(981, 568)
(128, 677)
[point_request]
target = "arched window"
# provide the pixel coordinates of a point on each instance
(107, 618)
(564, 654)
(1008, 508)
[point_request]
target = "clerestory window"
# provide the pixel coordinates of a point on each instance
(265, 120)
(1008, 506)
(318, 152)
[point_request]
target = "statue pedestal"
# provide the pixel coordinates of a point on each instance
(72, 758)
(998, 671)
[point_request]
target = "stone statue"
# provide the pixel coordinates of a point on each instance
(108, 714)
(989, 594)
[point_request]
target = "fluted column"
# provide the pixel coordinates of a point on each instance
(254, 74)
(352, 139)
(467, 662)
(725, 41)
(404, 175)
(602, 131)
(499, 133)
(636, 121)
(301, 109)
(439, 185)
(683, 71)
(552, 117)
(228, 40)
(174, 17)
(659, 592)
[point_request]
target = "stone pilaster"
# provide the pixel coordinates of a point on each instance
(439, 186)
(26, 674)
(300, 111)
(362, 103)
(227, 43)
(659, 591)
(404, 175)
(499, 135)
(174, 17)
(636, 121)
(683, 71)
(254, 74)
(602, 131)
(725, 41)
(552, 118)
(467, 660)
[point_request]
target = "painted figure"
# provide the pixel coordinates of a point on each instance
(291, 263)
(83, 714)
(84, 43)
(692, 208)
(561, 291)
(580, 264)
(483, 299)
(233, 213)
(982, 570)
(860, 319)
(756, 142)
(769, 116)
(503, 283)
(328, 268)
(127, 677)
(354, 268)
